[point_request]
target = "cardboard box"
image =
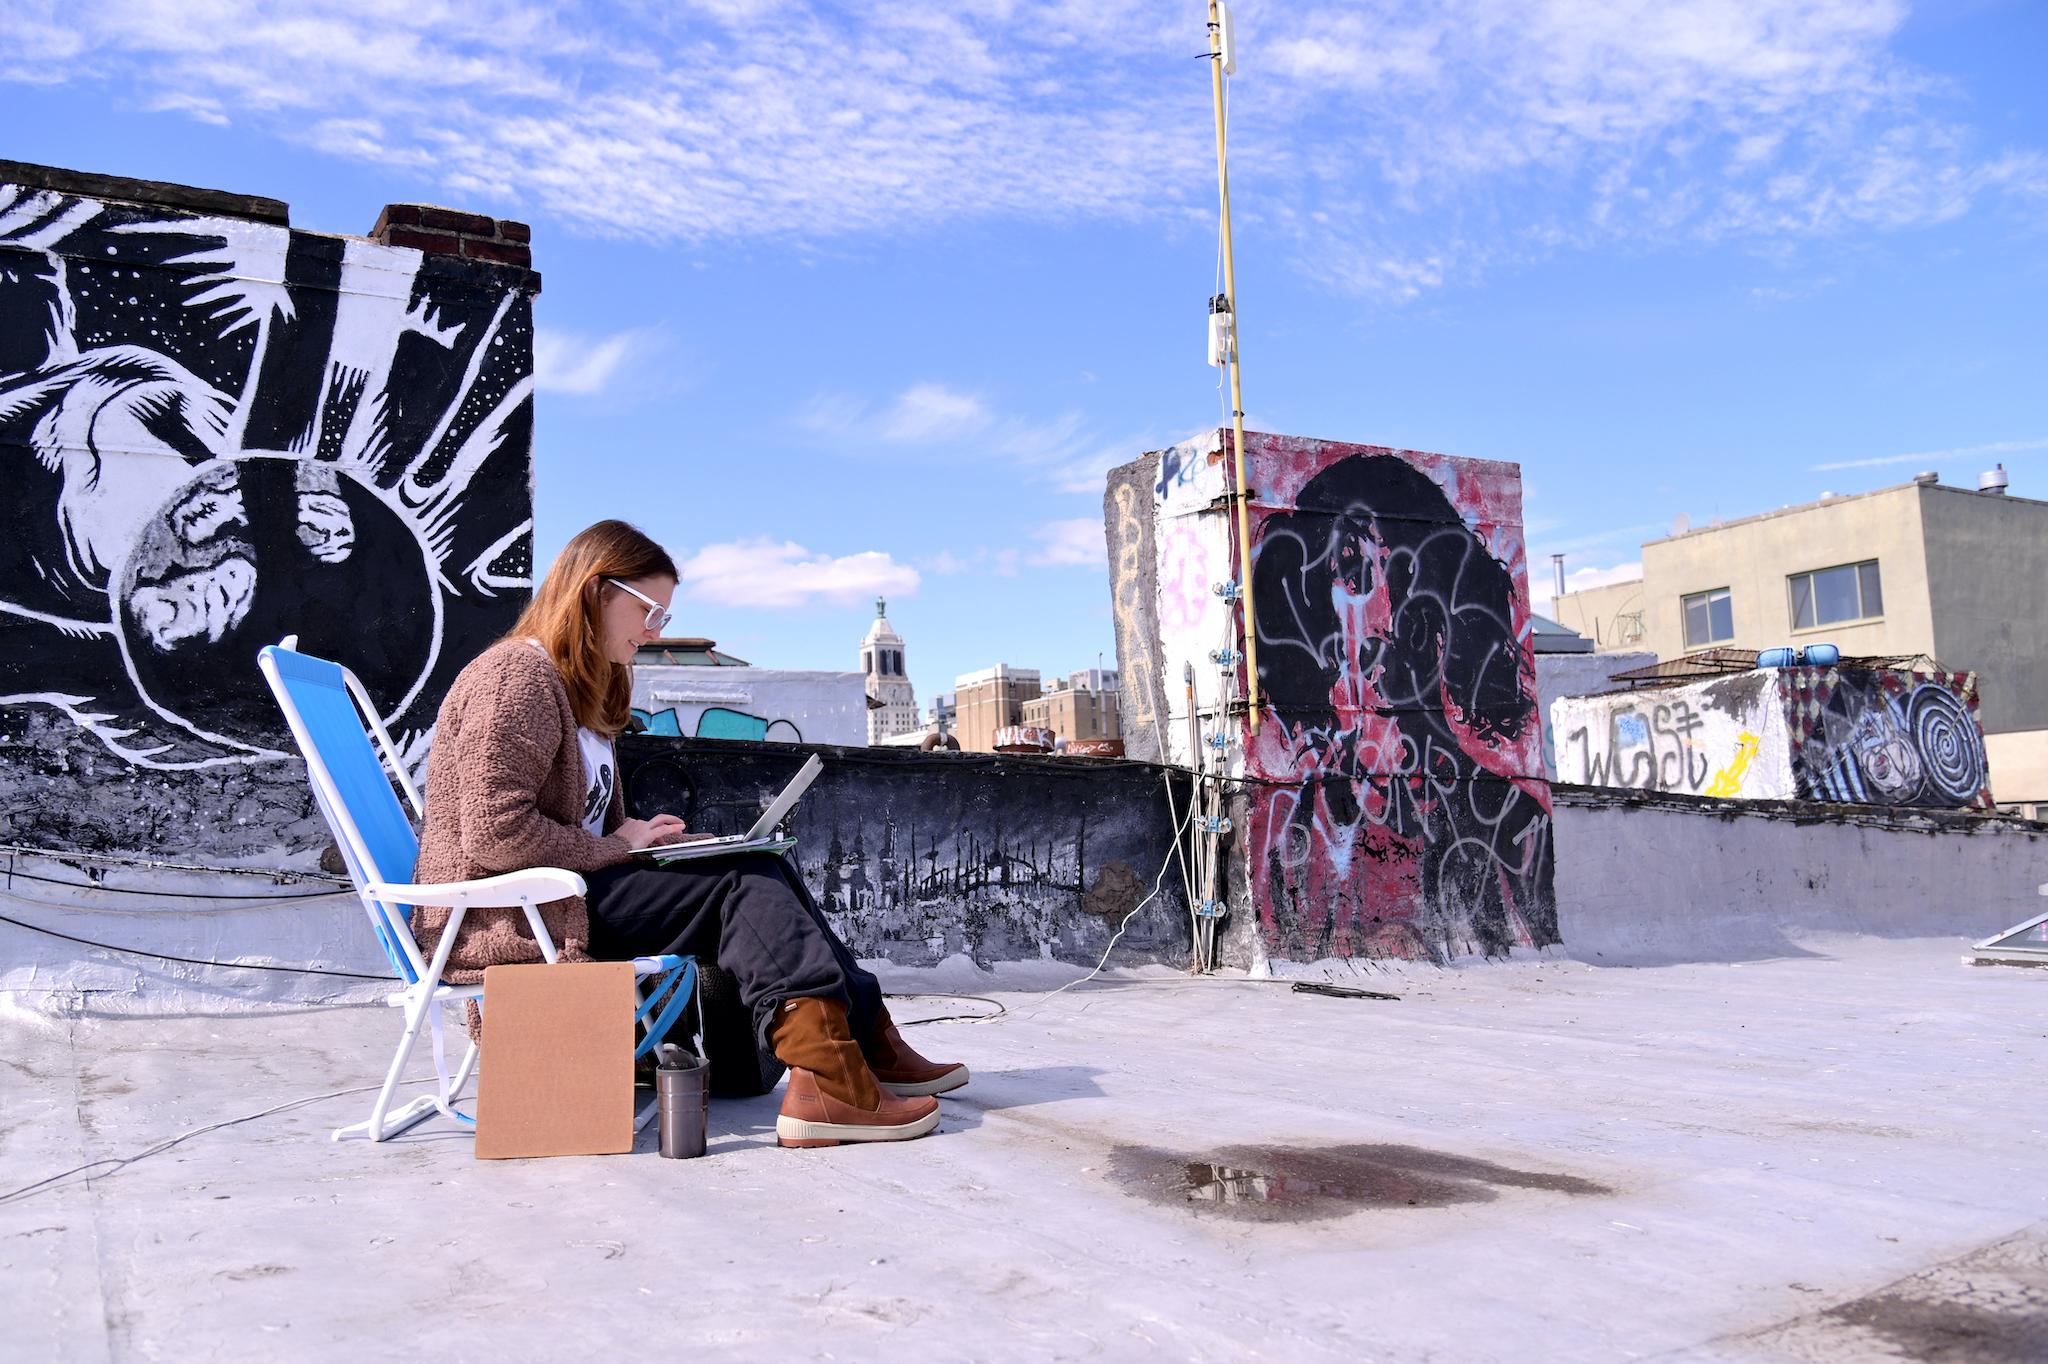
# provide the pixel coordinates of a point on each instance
(557, 1077)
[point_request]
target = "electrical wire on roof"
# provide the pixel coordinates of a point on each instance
(240, 901)
(68, 855)
(123, 1162)
(1122, 924)
(997, 1004)
(188, 961)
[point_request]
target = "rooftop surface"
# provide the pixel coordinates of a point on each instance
(1834, 1154)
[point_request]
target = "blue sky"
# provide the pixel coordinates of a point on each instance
(847, 299)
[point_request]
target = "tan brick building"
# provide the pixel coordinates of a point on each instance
(986, 701)
(1919, 568)
(1083, 706)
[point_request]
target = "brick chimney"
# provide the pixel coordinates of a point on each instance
(451, 232)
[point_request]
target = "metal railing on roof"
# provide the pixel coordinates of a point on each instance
(1721, 662)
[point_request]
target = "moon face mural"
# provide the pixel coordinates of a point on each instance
(257, 548)
(215, 433)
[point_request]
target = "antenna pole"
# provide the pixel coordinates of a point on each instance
(1242, 499)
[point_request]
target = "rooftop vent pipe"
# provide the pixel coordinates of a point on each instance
(1929, 476)
(1993, 480)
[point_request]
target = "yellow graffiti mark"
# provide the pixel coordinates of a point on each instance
(1728, 781)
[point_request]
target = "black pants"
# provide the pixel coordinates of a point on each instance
(750, 912)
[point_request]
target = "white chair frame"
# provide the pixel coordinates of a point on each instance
(386, 904)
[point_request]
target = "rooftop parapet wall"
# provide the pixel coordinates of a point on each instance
(1648, 878)
(217, 431)
(917, 857)
(1395, 799)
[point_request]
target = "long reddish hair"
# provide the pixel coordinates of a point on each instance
(567, 607)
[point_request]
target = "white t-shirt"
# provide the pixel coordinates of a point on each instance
(600, 770)
(600, 767)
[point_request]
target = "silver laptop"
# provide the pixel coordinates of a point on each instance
(763, 827)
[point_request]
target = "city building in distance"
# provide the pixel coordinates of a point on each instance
(989, 700)
(688, 686)
(881, 660)
(1921, 568)
(1082, 706)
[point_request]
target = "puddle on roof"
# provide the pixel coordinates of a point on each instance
(1304, 1184)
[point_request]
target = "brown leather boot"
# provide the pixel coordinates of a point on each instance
(901, 1070)
(832, 1096)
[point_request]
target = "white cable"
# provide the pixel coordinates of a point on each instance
(1157, 881)
(144, 910)
(1186, 877)
(122, 1163)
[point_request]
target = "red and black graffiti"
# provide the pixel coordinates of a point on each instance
(1398, 807)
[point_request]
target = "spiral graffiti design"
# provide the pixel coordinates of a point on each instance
(1951, 754)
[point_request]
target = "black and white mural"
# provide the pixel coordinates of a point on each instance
(917, 857)
(218, 432)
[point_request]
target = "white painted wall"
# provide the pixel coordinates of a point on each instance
(1194, 554)
(208, 916)
(813, 707)
(1727, 737)
(1645, 881)
(1560, 675)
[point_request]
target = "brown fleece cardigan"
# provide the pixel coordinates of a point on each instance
(505, 792)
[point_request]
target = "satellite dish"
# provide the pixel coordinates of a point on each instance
(1680, 524)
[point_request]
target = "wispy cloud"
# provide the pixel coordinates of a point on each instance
(931, 421)
(1073, 542)
(569, 362)
(1613, 550)
(779, 575)
(1542, 594)
(1070, 542)
(1402, 148)
(981, 559)
(1926, 457)
(1490, 131)
(925, 413)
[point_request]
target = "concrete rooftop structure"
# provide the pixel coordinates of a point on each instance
(1831, 1154)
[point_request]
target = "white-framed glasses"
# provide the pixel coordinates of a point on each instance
(658, 616)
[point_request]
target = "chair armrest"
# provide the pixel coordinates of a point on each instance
(535, 886)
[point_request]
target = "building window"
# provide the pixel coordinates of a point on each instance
(1829, 596)
(1709, 619)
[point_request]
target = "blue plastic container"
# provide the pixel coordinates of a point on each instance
(1820, 655)
(1777, 658)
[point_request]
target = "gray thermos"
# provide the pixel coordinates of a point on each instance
(679, 1090)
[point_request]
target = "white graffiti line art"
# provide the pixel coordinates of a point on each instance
(483, 574)
(240, 438)
(34, 221)
(101, 725)
(1946, 738)
(240, 285)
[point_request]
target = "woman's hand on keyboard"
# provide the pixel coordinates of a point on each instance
(651, 833)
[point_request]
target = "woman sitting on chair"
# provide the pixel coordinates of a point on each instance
(523, 775)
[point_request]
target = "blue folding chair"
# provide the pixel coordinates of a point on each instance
(333, 721)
